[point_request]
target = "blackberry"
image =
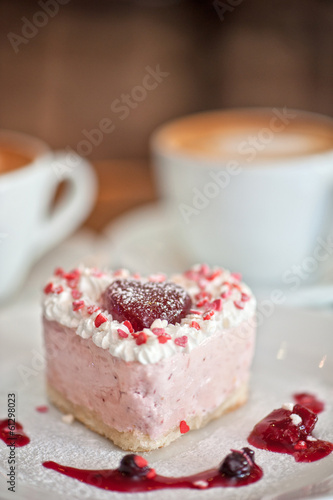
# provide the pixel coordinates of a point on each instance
(238, 464)
(136, 467)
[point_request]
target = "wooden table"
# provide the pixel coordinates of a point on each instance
(123, 185)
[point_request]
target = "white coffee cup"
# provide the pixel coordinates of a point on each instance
(251, 189)
(27, 228)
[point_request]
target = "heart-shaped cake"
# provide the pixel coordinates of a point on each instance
(142, 360)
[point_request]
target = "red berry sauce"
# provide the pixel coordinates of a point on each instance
(281, 433)
(310, 401)
(142, 303)
(12, 433)
(140, 478)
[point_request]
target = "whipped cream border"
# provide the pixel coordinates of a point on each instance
(58, 306)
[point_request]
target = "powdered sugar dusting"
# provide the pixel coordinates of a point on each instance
(143, 303)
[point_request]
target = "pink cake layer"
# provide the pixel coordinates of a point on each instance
(148, 398)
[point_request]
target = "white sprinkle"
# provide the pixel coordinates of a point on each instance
(68, 419)
(288, 406)
(159, 323)
(311, 438)
(296, 419)
(200, 484)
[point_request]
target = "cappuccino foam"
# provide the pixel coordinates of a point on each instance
(11, 159)
(246, 135)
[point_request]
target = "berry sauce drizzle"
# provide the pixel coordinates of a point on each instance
(310, 401)
(13, 435)
(133, 482)
(286, 431)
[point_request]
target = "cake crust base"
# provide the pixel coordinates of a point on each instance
(137, 441)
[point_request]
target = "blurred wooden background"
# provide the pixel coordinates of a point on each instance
(61, 82)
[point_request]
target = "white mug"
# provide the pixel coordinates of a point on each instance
(250, 189)
(27, 228)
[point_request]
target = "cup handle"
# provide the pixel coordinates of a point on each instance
(76, 204)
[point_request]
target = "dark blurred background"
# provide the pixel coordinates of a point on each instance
(62, 70)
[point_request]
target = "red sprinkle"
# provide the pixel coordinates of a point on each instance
(245, 297)
(92, 309)
(195, 325)
(239, 304)
(97, 273)
(128, 324)
(76, 294)
(73, 275)
(140, 461)
(118, 272)
(208, 315)
(72, 283)
(122, 334)
(301, 445)
(202, 295)
(214, 275)
(164, 338)
(204, 269)
(142, 338)
(59, 272)
(42, 409)
(217, 305)
(191, 275)
(48, 288)
(158, 331)
(151, 474)
(236, 276)
(181, 341)
(202, 302)
(183, 427)
(136, 276)
(208, 307)
(77, 305)
(100, 319)
(73, 278)
(226, 294)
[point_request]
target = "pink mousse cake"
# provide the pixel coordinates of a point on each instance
(143, 360)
